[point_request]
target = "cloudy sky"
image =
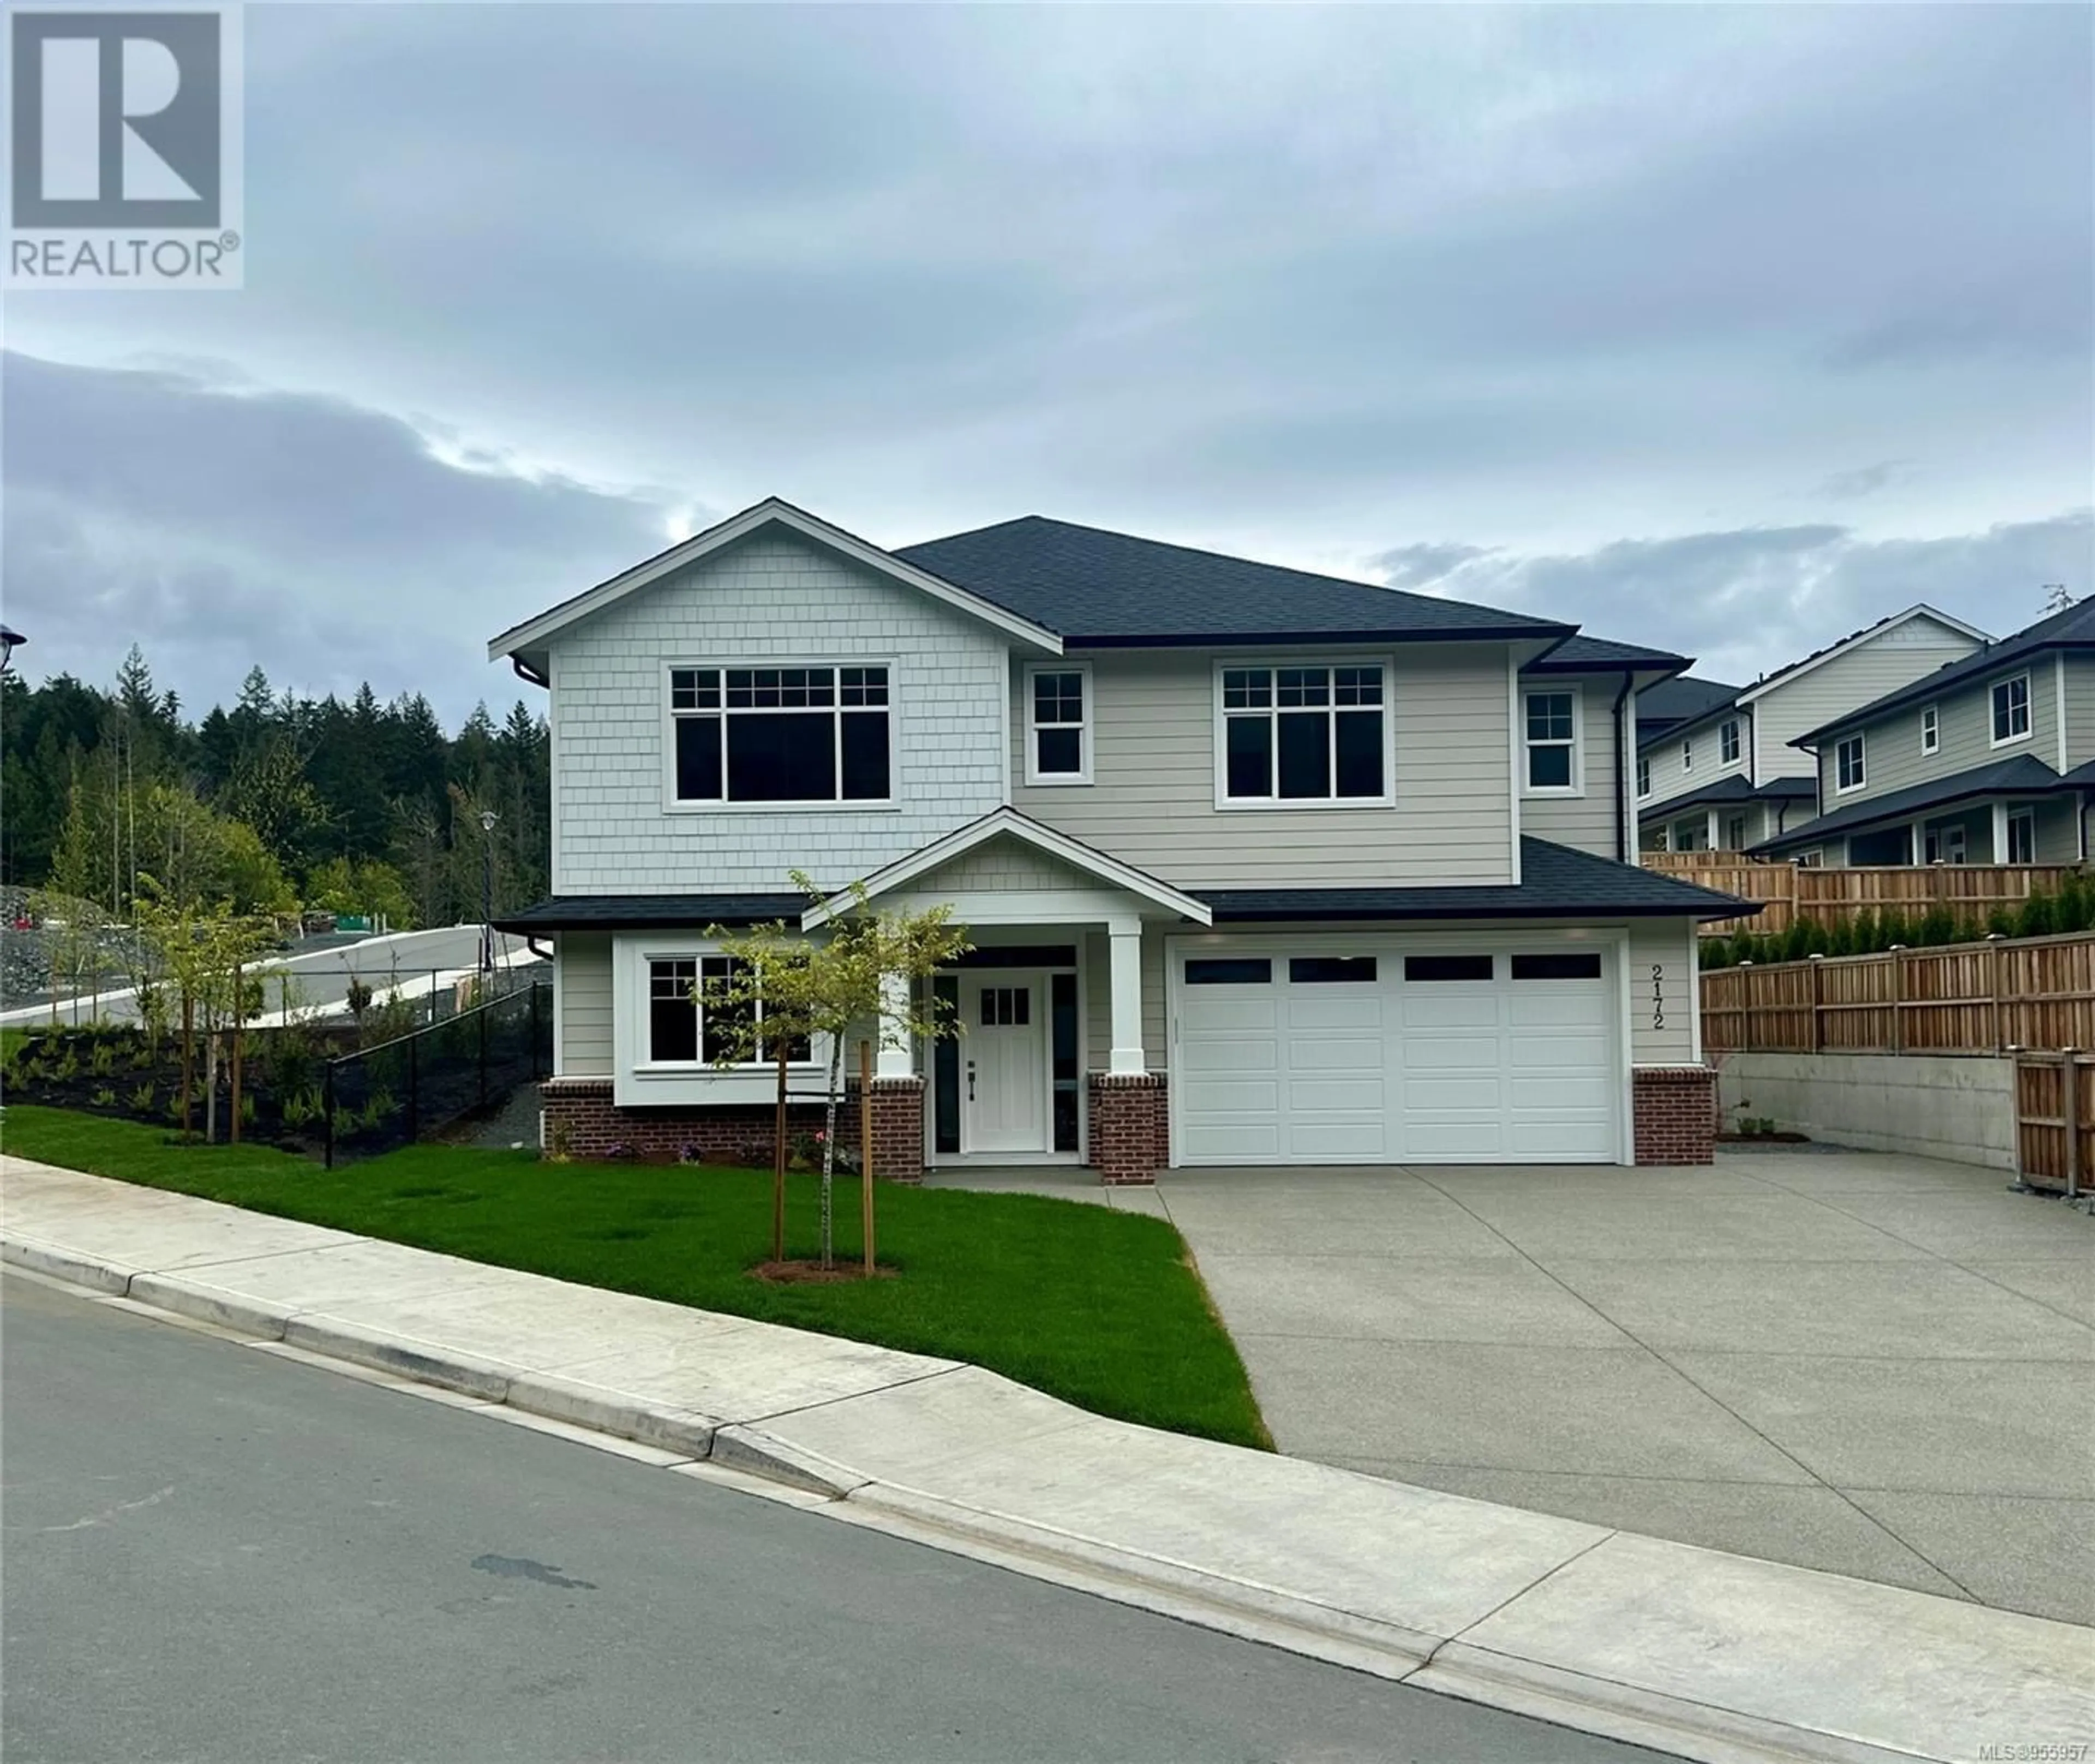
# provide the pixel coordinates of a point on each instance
(1727, 329)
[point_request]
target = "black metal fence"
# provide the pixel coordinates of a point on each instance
(395, 1093)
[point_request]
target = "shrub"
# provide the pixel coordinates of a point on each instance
(2035, 919)
(104, 1097)
(301, 1107)
(141, 1099)
(101, 1057)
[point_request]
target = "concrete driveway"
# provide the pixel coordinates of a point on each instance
(1856, 1362)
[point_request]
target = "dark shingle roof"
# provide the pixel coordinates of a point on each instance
(1096, 588)
(2024, 775)
(2071, 628)
(1556, 883)
(1673, 702)
(1736, 789)
(640, 913)
(1577, 655)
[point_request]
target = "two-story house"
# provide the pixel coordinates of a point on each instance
(1262, 867)
(1723, 773)
(1987, 760)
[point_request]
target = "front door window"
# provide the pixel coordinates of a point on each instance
(1003, 1065)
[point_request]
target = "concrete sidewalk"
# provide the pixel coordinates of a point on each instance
(1709, 1655)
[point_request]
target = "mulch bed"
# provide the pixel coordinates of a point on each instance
(787, 1273)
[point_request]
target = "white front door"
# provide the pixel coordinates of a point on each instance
(1004, 1064)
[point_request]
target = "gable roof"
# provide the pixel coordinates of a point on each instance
(1584, 655)
(1555, 882)
(1682, 699)
(2024, 775)
(529, 636)
(1009, 823)
(2069, 628)
(1100, 590)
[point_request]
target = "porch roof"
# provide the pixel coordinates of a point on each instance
(1735, 788)
(2025, 775)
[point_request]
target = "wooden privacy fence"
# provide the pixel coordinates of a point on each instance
(1983, 998)
(2055, 1119)
(1829, 897)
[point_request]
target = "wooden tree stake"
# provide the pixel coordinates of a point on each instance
(865, 1147)
(233, 1124)
(779, 1167)
(189, 1055)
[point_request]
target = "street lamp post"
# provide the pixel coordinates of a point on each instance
(487, 817)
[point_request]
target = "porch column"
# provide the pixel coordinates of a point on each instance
(1919, 836)
(1716, 842)
(1999, 855)
(894, 1061)
(1127, 998)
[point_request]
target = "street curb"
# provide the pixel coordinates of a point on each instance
(1665, 1718)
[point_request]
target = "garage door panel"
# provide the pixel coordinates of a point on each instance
(1563, 1053)
(1560, 1142)
(1442, 1008)
(1213, 1141)
(1339, 1142)
(1336, 1095)
(1251, 1009)
(1556, 1006)
(1475, 1093)
(1233, 1055)
(1314, 1008)
(1317, 1053)
(1560, 1095)
(1464, 1142)
(1451, 1052)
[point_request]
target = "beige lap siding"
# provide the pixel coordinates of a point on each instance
(583, 976)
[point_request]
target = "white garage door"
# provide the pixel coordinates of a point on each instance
(1380, 1054)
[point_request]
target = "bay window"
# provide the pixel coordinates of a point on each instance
(798, 734)
(1303, 735)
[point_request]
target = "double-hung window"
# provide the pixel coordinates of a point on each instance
(2011, 710)
(1303, 734)
(1688, 755)
(799, 734)
(1728, 741)
(1058, 748)
(1848, 772)
(1552, 740)
(692, 1019)
(1643, 777)
(1931, 729)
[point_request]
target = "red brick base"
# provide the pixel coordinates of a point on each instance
(1675, 1114)
(898, 1129)
(1130, 1138)
(581, 1120)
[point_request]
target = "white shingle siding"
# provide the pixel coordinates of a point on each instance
(1587, 821)
(1152, 801)
(773, 597)
(584, 973)
(1003, 865)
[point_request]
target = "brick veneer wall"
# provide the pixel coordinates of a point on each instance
(1130, 1137)
(1675, 1114)
(581, 1120)
(898, 1129)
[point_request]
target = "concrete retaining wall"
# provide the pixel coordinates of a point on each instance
(1932, 1106)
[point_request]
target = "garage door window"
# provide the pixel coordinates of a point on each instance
(1432, 968)
(1239, 972)
(1579, 965)
(1330, 970)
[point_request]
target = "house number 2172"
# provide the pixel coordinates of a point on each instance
(1658, 994)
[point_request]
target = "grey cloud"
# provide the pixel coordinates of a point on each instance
(1865, 480)
(220, 528)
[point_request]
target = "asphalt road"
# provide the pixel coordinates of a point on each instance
(212, 1553)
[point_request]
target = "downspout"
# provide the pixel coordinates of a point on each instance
(531, 943)
(525, 671)
(1624, 759)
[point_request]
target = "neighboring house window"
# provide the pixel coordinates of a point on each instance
(1945, 845)
(1810, 860)
(1058, 714)
(689, 1021)
(2011, 709)
(1552, 732)
(1735, 834)
(1848, 764)
(1931, 729)
(1303, 735)
(781, 734)
(1687, 756)
(1728, 741)
(1644, 778)
(2022, 837)
(1691, 835)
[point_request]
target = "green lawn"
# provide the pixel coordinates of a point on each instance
(1099, 1308)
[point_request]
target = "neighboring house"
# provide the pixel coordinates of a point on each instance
(1264, 867)
(1717, 768)
(1987, 761)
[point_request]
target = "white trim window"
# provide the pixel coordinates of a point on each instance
(1849, 773)
(2022, 836)
(1643, 776)
(1931, 729)
(1728, 741)
(1552, 766)
(2011, 710)
(688, 1019)
(1058, 723)
(1301, 734)
(1688, 755)
(1945, 844)
(1813, 859)
(789, 734)
(1734, 833)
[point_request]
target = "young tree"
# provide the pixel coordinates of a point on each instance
(867, 972)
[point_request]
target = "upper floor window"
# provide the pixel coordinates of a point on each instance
(1553, 731)
(692, 1019)
(1931, 729)
(1303, 735)
(1848, 764)
(1058, 738)
(1687, 756)
(820, 734)
(1728, 741)
(2011, 709)
(1643, 777)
